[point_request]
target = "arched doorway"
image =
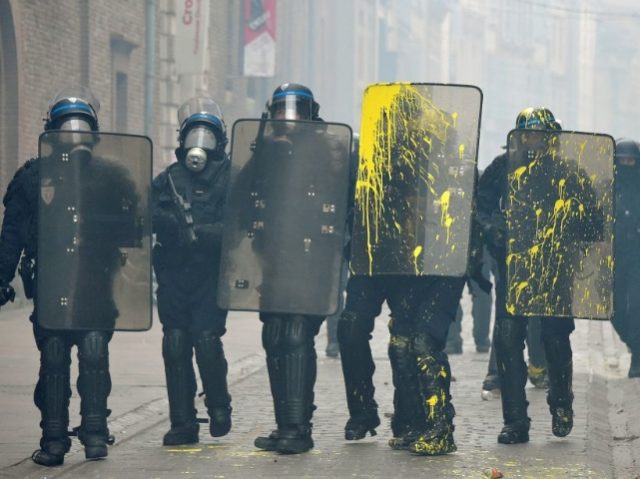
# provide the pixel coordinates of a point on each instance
(9, 119)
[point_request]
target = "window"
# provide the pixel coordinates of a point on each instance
(120, 58)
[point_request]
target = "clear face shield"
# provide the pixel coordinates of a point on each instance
(290, 107)
(199, 143)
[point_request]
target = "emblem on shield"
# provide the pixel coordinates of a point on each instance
(47, 191)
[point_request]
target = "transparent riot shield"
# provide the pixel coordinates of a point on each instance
(94, 232)
(416, 179)
(560, 216)
(285, 218)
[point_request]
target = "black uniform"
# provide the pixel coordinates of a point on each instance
(286, 244)
(626, 320)
(510, 331)
(52, 392)
(187, 277)
(422, 309)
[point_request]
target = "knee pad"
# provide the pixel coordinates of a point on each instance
(401, 353)
(296, 332)
(55, 353)
(426, 345)
(272, 332)
(176, 345)
(354, 328)
(208, 346)
(93, 348)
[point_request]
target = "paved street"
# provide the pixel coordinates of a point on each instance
(604, 443)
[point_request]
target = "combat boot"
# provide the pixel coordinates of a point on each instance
(181, 388)
(51, 453)
(561, 421)
(365, 422)
(268, 443)
(51, 396)
(354, 333)
(560, 394)
(509, 336)
(434, 379)
(294, 439)
(299, 369)
(213, 372)
(94, 386)
(402, 438)
(515, 432)
(437, 440)
(271, 337)
(408, 417)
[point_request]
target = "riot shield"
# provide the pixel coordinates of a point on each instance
(416, 179)
(560, 216)
(94, 232)
(285, 217)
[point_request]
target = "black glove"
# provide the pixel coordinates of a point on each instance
(6, 294)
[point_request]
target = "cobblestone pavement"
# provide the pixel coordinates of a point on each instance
(603, 444)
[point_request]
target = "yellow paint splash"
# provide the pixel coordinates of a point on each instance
(398, 128)
(548, 272)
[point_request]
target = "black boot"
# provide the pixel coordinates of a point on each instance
(509, 338)
(354, 333)
(299, 376)
(408, 416)
(94, 386)
(181, 388)
(51, 453)
(515, 432)
(271, 341)
(294, 440)
(560, 394)
(434, 379)
(51, 396)
(213, 372)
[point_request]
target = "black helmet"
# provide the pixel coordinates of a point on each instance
(537, 118)
(73, 108)
(627, 152)
(295, 100)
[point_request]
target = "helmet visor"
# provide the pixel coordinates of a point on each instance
(292, 107)
(200, 137)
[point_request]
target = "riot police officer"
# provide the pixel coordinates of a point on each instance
(384, 261)
(510, 331)
(188, 201)
(73, 109)
(626, 319)
(288, 338)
